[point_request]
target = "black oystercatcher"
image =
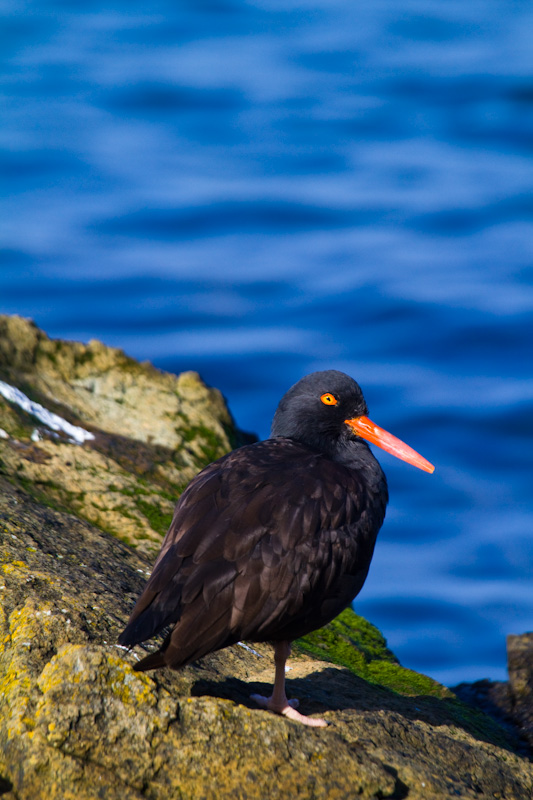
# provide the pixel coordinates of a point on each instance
(275, 539)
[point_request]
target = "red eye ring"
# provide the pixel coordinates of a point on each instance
(329, 400)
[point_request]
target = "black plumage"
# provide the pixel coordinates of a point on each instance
(273, 540)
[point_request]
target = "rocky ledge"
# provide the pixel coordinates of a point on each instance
(94, 450)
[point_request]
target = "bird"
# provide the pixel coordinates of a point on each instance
(274, 539)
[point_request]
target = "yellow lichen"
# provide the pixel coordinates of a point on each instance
(129, 686)
(29, 621)
(66, 667)
(14, 567)
(15, 686)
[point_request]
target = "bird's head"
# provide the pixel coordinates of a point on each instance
(326, 410)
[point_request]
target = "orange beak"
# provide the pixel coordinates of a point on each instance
(366, 429)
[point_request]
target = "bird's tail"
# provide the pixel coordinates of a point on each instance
(153, 661)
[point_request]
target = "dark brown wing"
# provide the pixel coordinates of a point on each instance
(269, 542)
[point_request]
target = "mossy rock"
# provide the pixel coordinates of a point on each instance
(353, 642)
(152, 431)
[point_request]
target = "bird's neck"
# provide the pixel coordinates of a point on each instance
(354, 454)
(357, 456)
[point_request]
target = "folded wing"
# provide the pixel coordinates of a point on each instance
(248, 556)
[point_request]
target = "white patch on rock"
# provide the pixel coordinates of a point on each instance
(250, 649)
(51, 420)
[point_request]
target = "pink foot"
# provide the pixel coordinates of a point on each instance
(288, 709)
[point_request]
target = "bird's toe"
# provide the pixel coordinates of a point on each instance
(295, 715)
(260, 699)
(288, 710)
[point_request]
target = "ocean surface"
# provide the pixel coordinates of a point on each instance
(255, 190)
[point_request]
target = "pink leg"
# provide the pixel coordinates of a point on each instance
(277, 702)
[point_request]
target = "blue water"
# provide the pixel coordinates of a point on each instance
(260, 189)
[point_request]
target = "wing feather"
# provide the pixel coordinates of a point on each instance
(264, 543)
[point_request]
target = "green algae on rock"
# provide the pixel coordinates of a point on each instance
(353, 642)
(79, 525)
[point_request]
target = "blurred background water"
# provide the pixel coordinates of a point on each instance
(258, 189)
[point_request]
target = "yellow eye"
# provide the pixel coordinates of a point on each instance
(329, 400)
